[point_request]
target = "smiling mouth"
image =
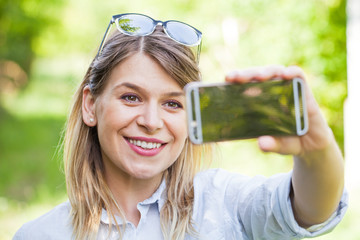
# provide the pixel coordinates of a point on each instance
(144, 144)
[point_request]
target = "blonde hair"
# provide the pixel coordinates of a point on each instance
(86, 186)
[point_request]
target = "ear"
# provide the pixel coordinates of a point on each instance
(88, 108)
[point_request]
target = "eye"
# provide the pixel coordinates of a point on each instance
(173, 104)
(131, 98)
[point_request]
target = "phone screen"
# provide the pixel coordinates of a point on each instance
(238, 111)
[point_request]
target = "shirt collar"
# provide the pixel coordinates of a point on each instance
(159, 197)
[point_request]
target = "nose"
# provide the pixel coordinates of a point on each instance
(150, 118)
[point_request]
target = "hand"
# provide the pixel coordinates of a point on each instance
(319, 135)
(318, 173)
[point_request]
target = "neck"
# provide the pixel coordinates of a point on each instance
(129, 191)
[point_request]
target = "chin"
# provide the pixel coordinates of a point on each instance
(146, 174)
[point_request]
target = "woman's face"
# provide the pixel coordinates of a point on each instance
(141, 120)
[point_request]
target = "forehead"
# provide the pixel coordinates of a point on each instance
(142, 70)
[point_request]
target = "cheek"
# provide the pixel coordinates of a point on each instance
(178, 127)
(112, 117)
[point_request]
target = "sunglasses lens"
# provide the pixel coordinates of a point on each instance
(183, 33)
(133, 24)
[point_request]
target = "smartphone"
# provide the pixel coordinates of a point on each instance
(228, 111)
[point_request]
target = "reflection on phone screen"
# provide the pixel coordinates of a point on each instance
(247, 110)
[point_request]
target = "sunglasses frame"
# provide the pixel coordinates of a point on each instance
(114, 19)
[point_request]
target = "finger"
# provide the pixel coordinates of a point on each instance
(270, 72)
(264, 73)
(293, 72)
(268, 144)
(242, 76)
(282, 145)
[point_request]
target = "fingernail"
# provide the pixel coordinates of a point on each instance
(232, 74)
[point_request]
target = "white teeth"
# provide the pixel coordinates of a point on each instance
(145, 145)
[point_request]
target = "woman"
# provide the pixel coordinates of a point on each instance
(132, 173)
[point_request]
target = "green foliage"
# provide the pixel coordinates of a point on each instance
(310, 34)
(61, 37)
(237, 34)
(22, 22)
(29, 167)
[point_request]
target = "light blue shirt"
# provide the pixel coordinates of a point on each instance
(226, 206)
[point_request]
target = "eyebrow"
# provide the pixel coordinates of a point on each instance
(140, 89)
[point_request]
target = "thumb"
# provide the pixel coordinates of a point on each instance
(268, 144)
(282, 145)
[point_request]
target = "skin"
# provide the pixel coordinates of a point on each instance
(140, 101)
(318, 173)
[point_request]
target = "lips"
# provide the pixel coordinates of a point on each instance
(145, 146)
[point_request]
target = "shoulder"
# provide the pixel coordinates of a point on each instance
(226, 202)
(217, 174)
(220, 178)
(55, 224)
(241, 204)
(224, 184)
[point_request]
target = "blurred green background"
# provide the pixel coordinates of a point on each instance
(46, 47)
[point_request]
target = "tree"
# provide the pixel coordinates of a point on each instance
(21, 24)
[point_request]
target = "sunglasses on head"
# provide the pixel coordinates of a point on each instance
(134, 24)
